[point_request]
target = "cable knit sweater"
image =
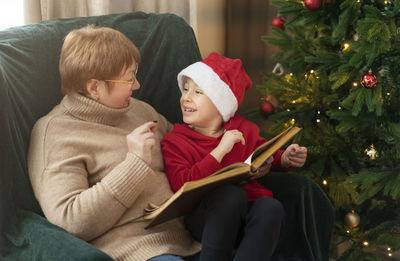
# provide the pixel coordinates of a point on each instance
(89, 184)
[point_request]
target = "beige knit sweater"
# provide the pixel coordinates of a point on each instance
(89, 184)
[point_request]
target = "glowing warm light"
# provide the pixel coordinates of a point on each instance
(355, 84)
(365, 243)
(339, 108)
(318, 112)
(291, 74)
(287, 110)
(325, 182)
(390, 254)
(386, 2)
(312, 71)
(318, 120)
(389, 249)
(348, 231)
(388, 93)
(293, 101)
(346, 46)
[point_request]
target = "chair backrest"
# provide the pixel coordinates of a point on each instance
(30, 85)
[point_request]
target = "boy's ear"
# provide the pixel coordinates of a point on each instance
(92, 89)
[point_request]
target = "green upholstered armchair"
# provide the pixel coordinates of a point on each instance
(30, 88)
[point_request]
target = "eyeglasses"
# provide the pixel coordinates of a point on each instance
(128, 82)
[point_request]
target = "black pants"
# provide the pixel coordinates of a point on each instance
(224, 220)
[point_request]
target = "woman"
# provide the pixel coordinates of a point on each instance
(95, 160)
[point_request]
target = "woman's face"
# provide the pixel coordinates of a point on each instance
(118, 93)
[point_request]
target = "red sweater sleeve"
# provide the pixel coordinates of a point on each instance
(182, 165)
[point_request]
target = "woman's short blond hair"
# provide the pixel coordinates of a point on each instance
(94, 53)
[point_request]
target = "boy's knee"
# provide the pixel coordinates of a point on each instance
(270, 209)
(230, 198)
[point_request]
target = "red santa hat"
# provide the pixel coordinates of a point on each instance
(222, 79)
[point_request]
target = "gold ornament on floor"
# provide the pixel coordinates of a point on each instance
(371, 153)
(352, 219)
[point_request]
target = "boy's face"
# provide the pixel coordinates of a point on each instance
(119, 90)
(197, 109)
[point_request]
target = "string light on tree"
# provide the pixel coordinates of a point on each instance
(389, 250)
(346, 46)
(365, 243)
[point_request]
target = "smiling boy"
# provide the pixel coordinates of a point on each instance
(213, 136)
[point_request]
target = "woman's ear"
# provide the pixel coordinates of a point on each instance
(92, 88)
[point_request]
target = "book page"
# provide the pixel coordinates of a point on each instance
(248, 160)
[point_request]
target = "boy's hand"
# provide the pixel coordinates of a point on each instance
(263, 169)
(226, 144)
(294, 156)
(141, 141)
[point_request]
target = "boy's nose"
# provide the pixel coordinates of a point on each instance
(186, 96)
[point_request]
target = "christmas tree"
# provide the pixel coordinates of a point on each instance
(338, 77)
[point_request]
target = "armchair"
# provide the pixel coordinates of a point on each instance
(30, 87)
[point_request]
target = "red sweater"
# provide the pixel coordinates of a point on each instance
(187, 155)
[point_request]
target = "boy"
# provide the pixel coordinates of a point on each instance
(213, 137)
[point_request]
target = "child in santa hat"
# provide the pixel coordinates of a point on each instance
(214, 136)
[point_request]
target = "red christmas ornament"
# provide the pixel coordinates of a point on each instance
(267, 108)
(313, 5)
(369, 80)
(279, 22)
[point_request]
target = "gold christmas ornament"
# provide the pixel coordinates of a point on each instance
(352, 219)
(371, 153)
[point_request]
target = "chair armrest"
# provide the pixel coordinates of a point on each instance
(38, 239)
(310, 216)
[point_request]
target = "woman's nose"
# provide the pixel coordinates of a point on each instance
(135, 85)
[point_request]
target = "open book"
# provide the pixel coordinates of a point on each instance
(186, 198)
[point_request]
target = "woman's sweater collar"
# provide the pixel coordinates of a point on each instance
(88, 109)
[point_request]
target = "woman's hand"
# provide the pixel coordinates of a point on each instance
(263, 169)
(294, 156)
(141, 141)
(226, 144)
